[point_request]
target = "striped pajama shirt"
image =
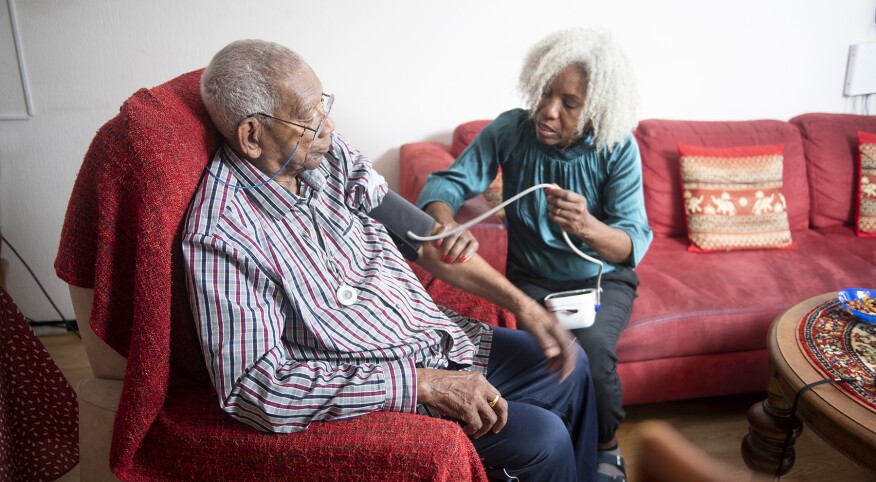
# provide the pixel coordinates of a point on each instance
(263, 269)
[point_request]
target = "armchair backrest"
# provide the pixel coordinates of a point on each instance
(120, 248)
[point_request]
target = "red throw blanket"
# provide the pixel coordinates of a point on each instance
(121, 237)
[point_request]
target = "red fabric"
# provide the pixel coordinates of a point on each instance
(39, 417)
(121, 237)
(865, 183)
(416, 161)
(690, 304)
(658, 141)
(831, 146)
(843, 238)
(688, 377)
(464, 134)
(730, 152)
(464, 303)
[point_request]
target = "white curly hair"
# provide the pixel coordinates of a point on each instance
(610, 98)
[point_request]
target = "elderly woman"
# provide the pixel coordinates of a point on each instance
(576, 135)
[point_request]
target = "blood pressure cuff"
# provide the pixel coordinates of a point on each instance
(399, 216)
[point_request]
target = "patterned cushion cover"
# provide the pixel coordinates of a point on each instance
(733, 198)
(865, 211)
(493, 193)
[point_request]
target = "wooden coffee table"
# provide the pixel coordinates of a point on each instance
(845, 424)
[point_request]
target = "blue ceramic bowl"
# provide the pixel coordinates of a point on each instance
(850, 294)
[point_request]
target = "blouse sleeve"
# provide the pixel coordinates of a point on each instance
(470, 174)
(624, 198)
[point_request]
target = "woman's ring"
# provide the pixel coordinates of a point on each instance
(494, 401)
(557, 212)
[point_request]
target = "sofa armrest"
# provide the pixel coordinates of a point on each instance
(416, 161)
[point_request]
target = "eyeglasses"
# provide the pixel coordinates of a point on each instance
(325, 103)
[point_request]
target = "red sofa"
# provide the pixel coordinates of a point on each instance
(699, 326)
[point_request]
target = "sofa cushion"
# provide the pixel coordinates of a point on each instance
(865, 199)
(733, 197)
(690, 304)
(464, 134)
(843, 238)
(658, 141)
(830, 142)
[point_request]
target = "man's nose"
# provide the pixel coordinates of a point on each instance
(327, 127)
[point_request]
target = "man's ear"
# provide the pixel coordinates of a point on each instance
(249, 137)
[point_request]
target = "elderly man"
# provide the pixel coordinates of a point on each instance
(308, 312)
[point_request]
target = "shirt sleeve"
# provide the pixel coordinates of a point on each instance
(625, 200)
(470, 174)
(365, 187)
(241, 315)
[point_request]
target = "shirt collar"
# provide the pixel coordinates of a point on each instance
(270, 196)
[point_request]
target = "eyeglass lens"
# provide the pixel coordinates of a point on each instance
(326, 102)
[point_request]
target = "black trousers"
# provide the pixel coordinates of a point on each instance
(599, 340)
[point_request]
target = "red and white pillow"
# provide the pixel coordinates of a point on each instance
(865, 198)
(493, 194)
(733, 199)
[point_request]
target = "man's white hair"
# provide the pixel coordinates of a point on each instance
(241, 80)
(610, 97)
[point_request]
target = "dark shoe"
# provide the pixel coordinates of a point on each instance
(611, 459)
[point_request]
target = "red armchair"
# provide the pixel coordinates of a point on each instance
(120, 252)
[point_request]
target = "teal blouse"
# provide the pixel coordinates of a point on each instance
(611, 182)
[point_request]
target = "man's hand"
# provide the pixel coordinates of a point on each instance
(465, 396)
(556, 342)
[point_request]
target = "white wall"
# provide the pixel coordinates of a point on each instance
(402, 72)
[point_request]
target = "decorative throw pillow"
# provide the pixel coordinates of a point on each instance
(733, 198)
(493, 193)
(865, 201)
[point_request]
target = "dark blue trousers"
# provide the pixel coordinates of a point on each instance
(551, 430)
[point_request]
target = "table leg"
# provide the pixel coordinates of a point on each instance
(769, 422)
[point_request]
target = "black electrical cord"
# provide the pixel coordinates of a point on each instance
(797, 396)
(67, 323)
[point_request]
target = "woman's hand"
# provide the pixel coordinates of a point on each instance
(458, 247)
(568, 210)
(556, 342)
(463, 395)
